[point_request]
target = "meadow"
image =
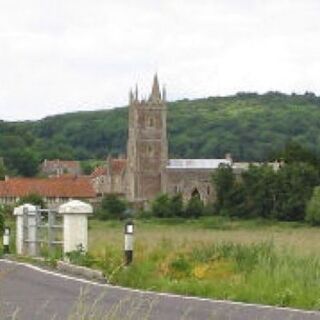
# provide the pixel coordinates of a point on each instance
(257, 261)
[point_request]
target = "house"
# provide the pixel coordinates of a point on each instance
(54, 191)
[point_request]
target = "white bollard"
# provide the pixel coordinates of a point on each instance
(128, 242)
(20, 236)
(6, 240)
(75, 225)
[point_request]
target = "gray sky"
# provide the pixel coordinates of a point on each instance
(61, 56)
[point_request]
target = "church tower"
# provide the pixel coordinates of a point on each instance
(147, 150)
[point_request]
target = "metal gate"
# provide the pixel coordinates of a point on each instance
(42, 232)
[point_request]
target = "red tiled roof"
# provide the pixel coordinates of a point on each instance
(99, 171)
(65, 187)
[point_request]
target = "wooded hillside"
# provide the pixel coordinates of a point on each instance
(248, 125)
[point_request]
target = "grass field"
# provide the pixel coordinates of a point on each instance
(252, 261)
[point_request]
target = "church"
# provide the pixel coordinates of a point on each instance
(147, 170)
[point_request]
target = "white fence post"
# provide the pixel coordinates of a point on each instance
(75, 225)
(20, 236)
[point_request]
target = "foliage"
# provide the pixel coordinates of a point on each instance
(165, 206)
(224, 183)
(2, 219)
(295, 152)
(32, 198)
(295, 185)
(3, 170)
(194, 208)
(87, 166)
(80, 257)
(161, 206)
(262, 191)
(112, 206)
(6, 211)
(24, 161)
(250, 126)
(313, 208)
(216, 269)
(176, 205)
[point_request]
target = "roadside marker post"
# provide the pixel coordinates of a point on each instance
(128, 242)
(6, 240)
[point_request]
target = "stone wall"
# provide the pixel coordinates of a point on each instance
(189, 181)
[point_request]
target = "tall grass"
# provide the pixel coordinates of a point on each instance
(252, 270)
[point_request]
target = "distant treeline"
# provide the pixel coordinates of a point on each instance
(250, 126)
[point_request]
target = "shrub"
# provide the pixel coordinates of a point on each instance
(112, 207)
(161, 206)
(176, 205)
(1, 221)
(32, 198)
(80, 257)
(313, 208)
(194, 208)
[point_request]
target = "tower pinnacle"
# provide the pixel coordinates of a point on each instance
(155, 93)
(130, 96)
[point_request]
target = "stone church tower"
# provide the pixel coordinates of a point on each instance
(147, 150)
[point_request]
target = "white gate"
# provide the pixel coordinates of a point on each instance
(42, 232)
(50, 232)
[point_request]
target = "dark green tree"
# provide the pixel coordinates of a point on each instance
(161, 206)
(112, 206)
(3, 169)
(296, 182)
(223, 182)
(313, 208)
(24, 161)
(294, 152)
(194, 208)
(259, 189)
(176, 205)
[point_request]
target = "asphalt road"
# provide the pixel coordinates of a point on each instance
(31, 293)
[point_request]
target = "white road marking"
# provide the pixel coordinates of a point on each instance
(161, 294)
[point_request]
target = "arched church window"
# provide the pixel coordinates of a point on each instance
(195, 193)
(208, 190)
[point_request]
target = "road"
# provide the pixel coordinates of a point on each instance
(31, 293)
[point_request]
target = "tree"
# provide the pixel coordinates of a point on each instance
(294, 152)
(313, 208)
(296, 182)
(3, 170)
(176, 205)
(223, 182)
(24, 161)
(161, 206)
(112, 207)
(194, 208)
(259, 189)
(32, 198)
(87, 167)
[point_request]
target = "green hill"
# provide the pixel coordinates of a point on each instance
(248, 125)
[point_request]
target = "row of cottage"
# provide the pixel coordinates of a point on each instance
(62, 181)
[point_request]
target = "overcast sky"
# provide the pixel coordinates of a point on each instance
(61, 56)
